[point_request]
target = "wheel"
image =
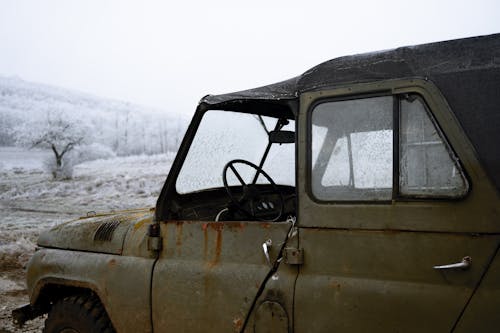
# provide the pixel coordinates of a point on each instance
(251, 202)
(78, 314)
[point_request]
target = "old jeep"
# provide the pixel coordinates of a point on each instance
(361, 196)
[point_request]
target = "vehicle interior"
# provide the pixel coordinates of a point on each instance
(239, 166)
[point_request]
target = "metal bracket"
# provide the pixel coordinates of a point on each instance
(154, 238)
(293, 256)
(154, 243)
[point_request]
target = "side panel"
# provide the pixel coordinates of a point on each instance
(122, 283)
(209, 273)
(382, 281)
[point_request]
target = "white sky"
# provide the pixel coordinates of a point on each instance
(168, 54)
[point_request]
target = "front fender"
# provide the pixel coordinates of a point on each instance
(122, 283)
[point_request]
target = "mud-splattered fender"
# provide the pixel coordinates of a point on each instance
(121, 282)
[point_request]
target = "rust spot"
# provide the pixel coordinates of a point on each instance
(218, 244)
(237, 226)
(178, 236)
(112, 263)
(218, 226)
(265, 225)
(204, 226)
(237, 324)
(335, 285)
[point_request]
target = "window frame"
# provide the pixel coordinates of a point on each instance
(451, 154)
(396, 163)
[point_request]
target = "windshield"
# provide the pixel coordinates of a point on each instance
(224, 136)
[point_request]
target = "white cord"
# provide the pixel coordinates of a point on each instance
(220, 213)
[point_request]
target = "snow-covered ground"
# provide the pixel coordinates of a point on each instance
(13, 158)
(31, 201)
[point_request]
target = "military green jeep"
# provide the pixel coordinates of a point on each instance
(360, 196)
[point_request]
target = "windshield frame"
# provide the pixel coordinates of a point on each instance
(169, 200)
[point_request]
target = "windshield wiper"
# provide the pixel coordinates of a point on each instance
(279, 125)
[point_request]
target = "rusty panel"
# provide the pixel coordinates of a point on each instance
(209, 273)
(121, 282)
(96, 234)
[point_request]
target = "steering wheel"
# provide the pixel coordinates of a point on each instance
(251, 202)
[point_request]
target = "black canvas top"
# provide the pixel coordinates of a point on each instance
(277, 91)
(467, 72)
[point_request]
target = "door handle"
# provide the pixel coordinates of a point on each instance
(464, 264)
(265, 247)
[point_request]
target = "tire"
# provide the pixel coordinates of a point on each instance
(78, 314)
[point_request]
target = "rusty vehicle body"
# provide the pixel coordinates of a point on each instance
(362, 195)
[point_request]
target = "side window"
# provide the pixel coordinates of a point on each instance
(352, 151)
(427, 166)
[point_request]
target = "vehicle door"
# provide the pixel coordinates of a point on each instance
(212, 265)
(392, 196)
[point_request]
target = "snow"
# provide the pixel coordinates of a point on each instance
(9, 285)
(12, 158)
(123, 127)
(31, 201)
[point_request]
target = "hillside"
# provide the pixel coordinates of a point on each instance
(124, 127)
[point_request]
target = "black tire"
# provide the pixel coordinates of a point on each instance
(78, 314)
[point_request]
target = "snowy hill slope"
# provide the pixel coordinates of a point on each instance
(124, 127)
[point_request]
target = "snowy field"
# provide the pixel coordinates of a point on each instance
(30, 201)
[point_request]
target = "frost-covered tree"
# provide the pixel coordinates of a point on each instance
(56, 132)
(7, 121)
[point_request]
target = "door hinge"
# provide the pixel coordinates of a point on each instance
(293, 256)
(154, 238)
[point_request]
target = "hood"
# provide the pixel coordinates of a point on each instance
(103, 233)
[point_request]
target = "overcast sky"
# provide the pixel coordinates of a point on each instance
(168, 54)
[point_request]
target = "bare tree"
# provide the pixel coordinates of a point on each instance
(56, 132)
